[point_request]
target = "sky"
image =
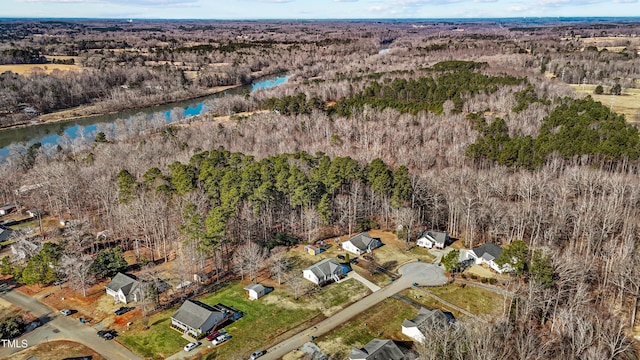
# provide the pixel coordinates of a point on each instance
(314, 9)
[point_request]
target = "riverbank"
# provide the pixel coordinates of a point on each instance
(89, 111)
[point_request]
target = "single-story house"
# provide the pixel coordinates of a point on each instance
(325, 271)
(487, 253)
(124, 288)
(6, 209)
(196, 317)
(361, 243)
(429, 239)
(255, 291)
(378, 349)
(426, 321)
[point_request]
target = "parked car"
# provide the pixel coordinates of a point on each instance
(122, 310)
(221, 339)
(65, 312)
(192, 345)
(258, 354)
(106, 334)
(213, 335)
(354, 261)
(32, 325)
(341, 257)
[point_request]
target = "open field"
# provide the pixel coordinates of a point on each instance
(473, 299)
(26, 69)
(627, 104)
(383, 321)
(54, 350)
(157, 342)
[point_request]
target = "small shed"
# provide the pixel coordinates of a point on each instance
(313, 249)
(255, 291)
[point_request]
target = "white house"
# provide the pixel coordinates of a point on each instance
(255, 291)
(430, 239)
(425, 322)
(325, 271)
(124, 288)
(487, 254)
(5, 209)
(361, 243)
(378, 349)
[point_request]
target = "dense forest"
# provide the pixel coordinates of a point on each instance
(463, 132)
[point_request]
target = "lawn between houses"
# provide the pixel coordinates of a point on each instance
(263, 321)
(383, 321)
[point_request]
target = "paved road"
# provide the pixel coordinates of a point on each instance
(58, 327)
(417, 272)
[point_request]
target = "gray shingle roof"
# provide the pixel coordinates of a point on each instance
(378, 349)
(255, 287)
(439, 236)
(428, 319)
(124, 282)
(4, 234)
(194, 314)
(326, 267)
(488, 249)
(362, 241)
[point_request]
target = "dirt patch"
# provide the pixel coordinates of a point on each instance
(53, 350)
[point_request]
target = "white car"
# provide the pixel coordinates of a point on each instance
(65, 312)
(192, 345)
(220, 339)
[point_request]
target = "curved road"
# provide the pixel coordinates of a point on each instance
(417, 272)
(58, 327)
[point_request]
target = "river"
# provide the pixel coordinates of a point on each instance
(51, 133)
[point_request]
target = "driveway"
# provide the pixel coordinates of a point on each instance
(58, 327)
(417, 272)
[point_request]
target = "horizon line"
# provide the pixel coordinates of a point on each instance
(327, 19)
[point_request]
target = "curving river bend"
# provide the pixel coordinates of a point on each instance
(52, 133)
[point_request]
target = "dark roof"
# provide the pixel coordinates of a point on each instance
(7, 207)
(427, 319)
(488, 248)
(362, 241)
(194, 314)
(378, 349)
(325, 267)
(4, 234)
(123, 282)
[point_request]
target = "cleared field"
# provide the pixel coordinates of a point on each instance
(627, 104)
(26, 69)
(473, 299)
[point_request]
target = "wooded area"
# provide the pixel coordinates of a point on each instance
(460, 132)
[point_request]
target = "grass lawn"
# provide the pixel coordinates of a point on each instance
(473, 299)
(419, 296)
(628, 103)
(158, 342)
(384, 321)
(262, 322)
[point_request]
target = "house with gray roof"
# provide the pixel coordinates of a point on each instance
(429, 239)
(425, 322)
(196, 318)
(325, 271)
(124, 288)
(4, 234)
(361, 243)
(378, 349)
(487, 254)
(5, 209)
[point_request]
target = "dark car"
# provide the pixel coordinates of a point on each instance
(106, 334)
(341, 257)
(354, 261)
(32, 325)
(122, 310)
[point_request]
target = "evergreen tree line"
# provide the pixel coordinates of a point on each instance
(574, 128)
